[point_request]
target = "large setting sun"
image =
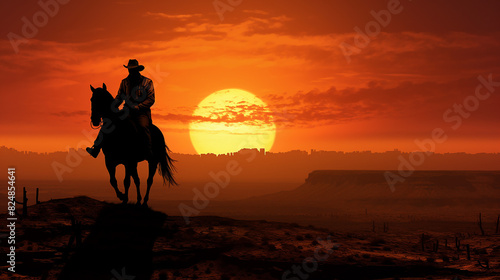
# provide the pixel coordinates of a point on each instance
(229, 120)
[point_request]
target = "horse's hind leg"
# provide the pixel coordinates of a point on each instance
(137, 182)
(126, 181)
(152, 171)
(112, 179)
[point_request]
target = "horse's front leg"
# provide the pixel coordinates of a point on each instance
(152, 171)
(137, 182)
(112, 179)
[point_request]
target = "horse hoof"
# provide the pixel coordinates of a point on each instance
(138, 203)
(121, 196)
(145, 205)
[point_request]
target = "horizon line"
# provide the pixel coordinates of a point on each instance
(259, 150)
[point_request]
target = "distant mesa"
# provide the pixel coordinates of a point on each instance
(369, 187)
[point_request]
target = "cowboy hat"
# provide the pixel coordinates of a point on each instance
(133, 64)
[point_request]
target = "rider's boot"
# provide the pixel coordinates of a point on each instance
(93, 151)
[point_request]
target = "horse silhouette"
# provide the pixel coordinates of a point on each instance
(122, 144)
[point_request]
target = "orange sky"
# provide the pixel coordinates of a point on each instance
(287, 53)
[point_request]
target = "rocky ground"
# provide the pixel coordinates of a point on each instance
(131, 242)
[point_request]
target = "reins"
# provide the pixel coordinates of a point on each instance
(95, 127)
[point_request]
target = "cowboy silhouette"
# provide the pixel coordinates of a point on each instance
(138, 94)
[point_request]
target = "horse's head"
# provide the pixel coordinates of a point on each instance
(101, 104)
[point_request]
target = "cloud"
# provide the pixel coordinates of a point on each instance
(66, 114)
(249, 114)
(268, 43)
(422, 103)
(257, 12)
(377, 84)
(184, 17)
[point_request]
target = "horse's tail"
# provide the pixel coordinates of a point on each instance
(165, 162)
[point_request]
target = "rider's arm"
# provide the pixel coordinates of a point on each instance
(150, 99)
(121, 94)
